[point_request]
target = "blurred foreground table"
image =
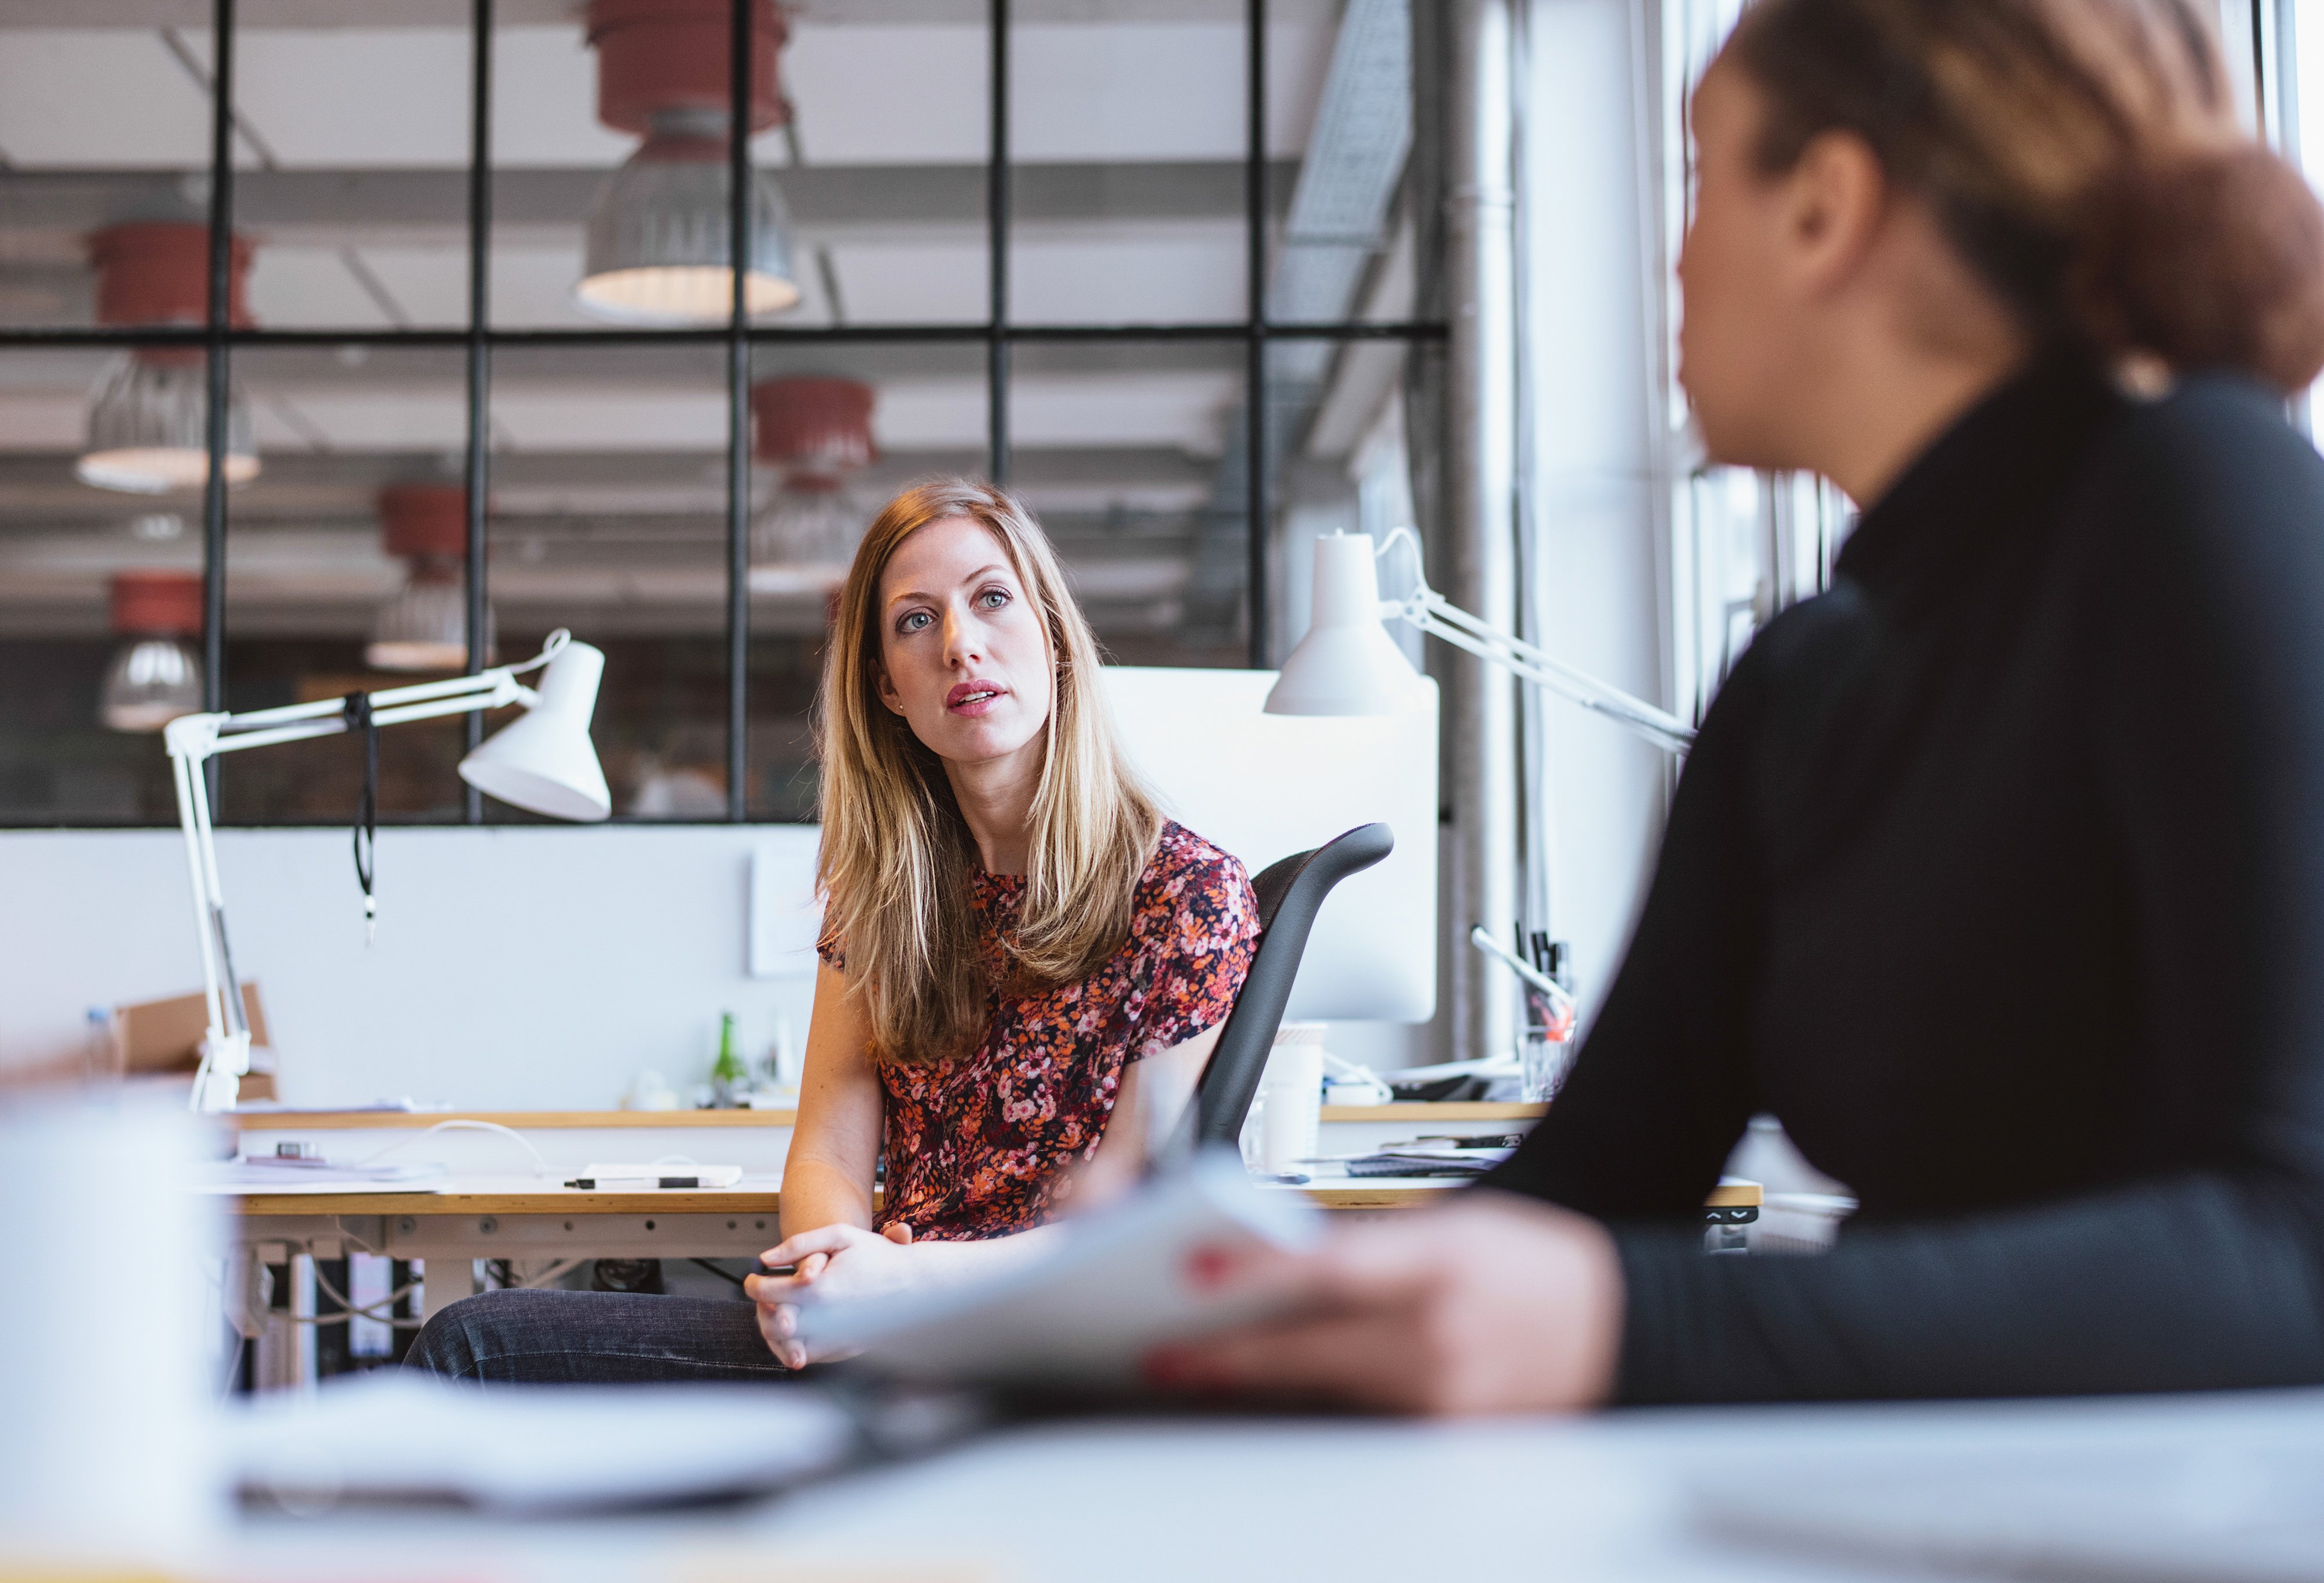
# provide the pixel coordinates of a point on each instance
(2156, 1489)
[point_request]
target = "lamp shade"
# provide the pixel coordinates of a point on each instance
(149, 419)
(149, 427)
(425, 626)
(543, 762)
(818, 429)
(1347, 665)
(157, 675)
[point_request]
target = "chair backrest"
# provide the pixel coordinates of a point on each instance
(1290, 893)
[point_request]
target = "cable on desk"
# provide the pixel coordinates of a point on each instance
(462, 1124)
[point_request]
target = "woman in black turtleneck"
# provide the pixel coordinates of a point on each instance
(1998, 872)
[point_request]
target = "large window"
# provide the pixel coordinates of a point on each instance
(333, 356)
(1744, 544)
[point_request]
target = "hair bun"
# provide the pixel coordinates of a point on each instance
(2213, 259)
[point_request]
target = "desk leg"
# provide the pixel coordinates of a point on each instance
(246, 1292)
(444, 1282)
(301, 1347)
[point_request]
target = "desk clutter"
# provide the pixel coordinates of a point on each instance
(2209, 1488)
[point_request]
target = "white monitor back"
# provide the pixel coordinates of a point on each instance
(1264, 786)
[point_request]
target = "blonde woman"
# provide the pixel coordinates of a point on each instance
(1024, 964)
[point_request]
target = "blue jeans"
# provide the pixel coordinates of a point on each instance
(595, 1338)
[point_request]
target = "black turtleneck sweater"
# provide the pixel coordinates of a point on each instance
(1997, 875)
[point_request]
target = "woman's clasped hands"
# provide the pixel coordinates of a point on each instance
(833, 1261)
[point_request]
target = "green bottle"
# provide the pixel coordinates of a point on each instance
(729, 1079)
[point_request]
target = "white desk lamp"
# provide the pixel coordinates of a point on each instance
(1348, 665)
(542, 762)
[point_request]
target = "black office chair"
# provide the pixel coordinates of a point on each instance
(1290, 892)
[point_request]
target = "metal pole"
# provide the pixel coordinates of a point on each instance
(738, 416)
(1255, 491)
(996, 241)
(1480, 718)
(220, 381)
(480, 360)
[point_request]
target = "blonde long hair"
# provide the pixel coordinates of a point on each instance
(897, 854)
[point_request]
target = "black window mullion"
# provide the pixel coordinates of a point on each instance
(196, 337)
(996, 242)
(1254, 333)
(218, 337)
(480, 362)
(738, 412)
(219, 371)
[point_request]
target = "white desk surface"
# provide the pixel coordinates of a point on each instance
(1619, 1496)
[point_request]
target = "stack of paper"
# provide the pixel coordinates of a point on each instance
(1121, 1281)
(410, 1437)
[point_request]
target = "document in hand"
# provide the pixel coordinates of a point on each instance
(1118, 1285)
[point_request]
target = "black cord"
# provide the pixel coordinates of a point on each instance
(359, 719)
(714, 1270)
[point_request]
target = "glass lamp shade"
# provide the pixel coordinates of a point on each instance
(805, 538)
(542, 761)
(424, 627)
(152, 681)
(149, 428)
(658, 248)
(1347, 665)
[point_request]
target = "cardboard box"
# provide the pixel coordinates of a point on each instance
(164, 1038)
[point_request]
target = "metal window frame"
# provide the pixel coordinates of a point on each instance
(479, 338)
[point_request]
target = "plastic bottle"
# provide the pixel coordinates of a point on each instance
(97, 1059)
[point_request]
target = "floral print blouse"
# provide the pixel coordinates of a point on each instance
(979, 1145)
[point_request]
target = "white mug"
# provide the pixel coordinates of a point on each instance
(1291, 1124)
(111, 1332)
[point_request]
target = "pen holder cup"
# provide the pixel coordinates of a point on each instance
(1542, 1062)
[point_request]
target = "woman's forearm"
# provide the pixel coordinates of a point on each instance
(944, 1262)
(817, 1193)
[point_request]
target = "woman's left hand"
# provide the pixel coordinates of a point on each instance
(837, 1260)
(1493, 1303)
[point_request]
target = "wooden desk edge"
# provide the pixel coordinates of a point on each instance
(287, 1121)
(755, 1201)
(736, 1202)
(304, 1121)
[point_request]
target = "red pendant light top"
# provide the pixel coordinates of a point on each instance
(424, 519)
(655, 55)
(158, 271)
(157, 604)
(818, 423)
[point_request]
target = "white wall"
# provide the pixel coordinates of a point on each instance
(528, 969)
(1592, 364)
(522, 969)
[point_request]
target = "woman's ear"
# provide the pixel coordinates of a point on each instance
(1837, 197)
(887, 690)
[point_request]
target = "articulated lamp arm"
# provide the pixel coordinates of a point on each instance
(192, 740)
(1432, 613)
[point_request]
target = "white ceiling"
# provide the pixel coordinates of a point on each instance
(397, 99)
(876, 83)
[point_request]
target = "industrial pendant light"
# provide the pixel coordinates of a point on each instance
(425, 626)
(817, 432)
(149, 421)
(659, 238)
(155, 675)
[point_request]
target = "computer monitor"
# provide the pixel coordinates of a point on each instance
(1263, 786)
